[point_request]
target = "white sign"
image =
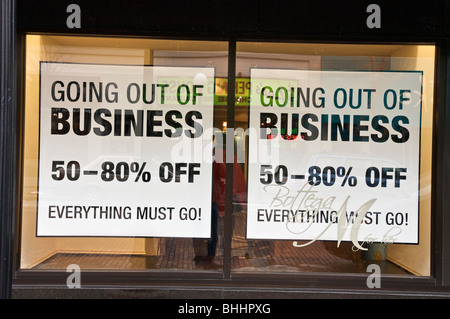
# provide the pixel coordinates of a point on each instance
(115, 152)
(334, 155)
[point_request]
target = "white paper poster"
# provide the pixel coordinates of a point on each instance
(125, 150)
(334, 155)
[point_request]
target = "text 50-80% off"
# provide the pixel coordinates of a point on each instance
(329, 176)
(123, 171)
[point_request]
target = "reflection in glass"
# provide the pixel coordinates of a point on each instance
(325, 255)
(120, 253)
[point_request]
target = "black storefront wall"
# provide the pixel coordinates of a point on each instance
(8, 134)
(327, 21)
(253, 19)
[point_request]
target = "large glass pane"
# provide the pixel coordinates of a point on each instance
(118, 154)
(335, 147)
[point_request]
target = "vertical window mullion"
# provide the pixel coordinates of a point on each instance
(228, 231)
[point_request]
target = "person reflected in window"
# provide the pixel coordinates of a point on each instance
(205, 250)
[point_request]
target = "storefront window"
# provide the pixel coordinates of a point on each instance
(335, 148)
(109, 179)
(124, 156)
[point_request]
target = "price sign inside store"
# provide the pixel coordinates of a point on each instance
(334, 155)
(125, 150)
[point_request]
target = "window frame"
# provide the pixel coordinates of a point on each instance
(439, 281)
(111, 277)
